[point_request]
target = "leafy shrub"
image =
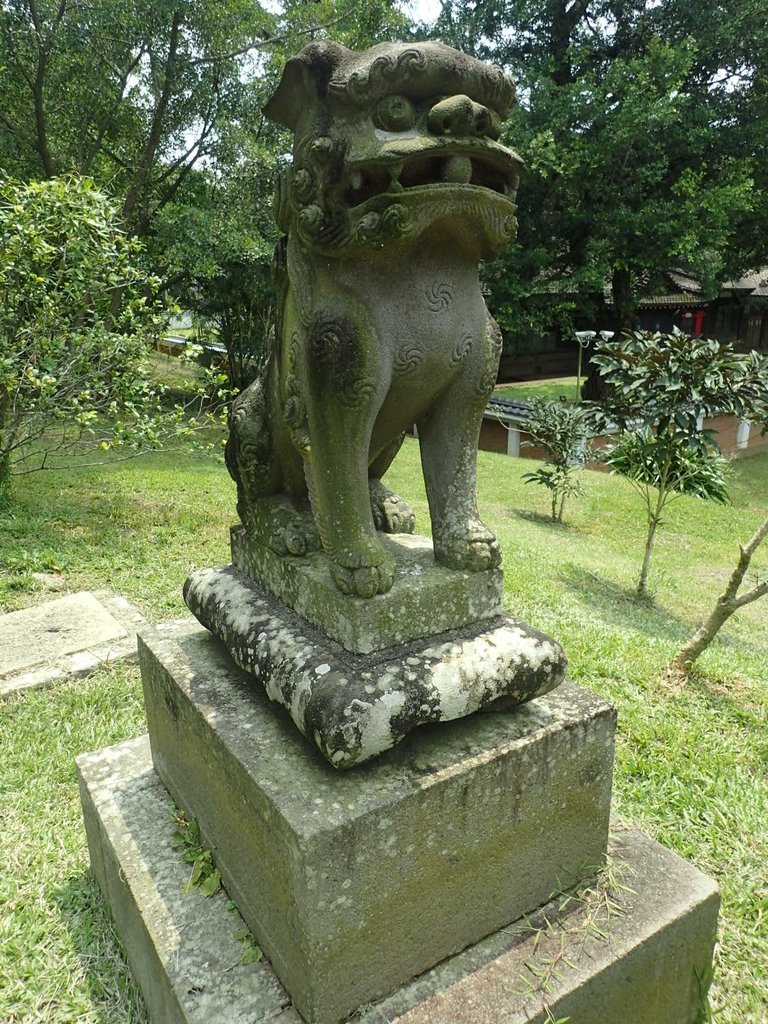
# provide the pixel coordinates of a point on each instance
(561, 430)
(661, 386)
(77, 319)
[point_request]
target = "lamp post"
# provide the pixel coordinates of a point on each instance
(584, 338)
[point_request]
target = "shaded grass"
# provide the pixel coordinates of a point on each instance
(59, 958)
(138, 527)
(173, 370)
(690, 765)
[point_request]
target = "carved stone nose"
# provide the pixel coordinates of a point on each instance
(459, 115)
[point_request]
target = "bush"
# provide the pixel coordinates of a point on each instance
(561, 430)
(77, 317)
(661, 386)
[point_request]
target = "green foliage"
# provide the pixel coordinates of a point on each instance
(560, 481)
(205, 876)
(668, 463)
(219, 248)
(252, 952)
(550, 1019)
(76, 320)
(660, 386)
(561, 430)
(638, 124)
(670, 381)
(132, 92)
(160, 103)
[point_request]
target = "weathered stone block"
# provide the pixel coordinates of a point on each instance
(645, 964)
(183, 949)
(353, 707)
(70, 636)
(426, 598)
(647, 961)
(354, 883)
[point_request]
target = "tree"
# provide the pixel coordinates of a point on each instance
(729, 602)
(637, 122)
(660, 387)
(129, 91)
(137, 93)
(220, 253)
(73, 372)
(160, 103)
(561, 430)
(663, 466)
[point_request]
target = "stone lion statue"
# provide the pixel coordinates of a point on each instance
(398, 188)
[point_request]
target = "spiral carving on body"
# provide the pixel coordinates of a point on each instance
(462, 350)
(408, 359)
(439, 298)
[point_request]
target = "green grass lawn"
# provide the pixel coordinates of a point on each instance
(552, 390)
(690, 763)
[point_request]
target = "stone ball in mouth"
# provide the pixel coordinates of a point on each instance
(456, 169)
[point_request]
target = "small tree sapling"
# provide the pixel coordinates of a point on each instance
(561, 430)
(660, 389)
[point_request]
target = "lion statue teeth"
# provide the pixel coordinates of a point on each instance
(399, 187)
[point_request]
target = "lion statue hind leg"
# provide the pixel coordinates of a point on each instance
(277, 520)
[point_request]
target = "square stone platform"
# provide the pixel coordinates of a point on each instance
(643, 964)
(70, 636)
(426, 598)
(354, 883)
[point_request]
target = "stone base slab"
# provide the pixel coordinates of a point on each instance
(353, 883)
(640, 964)
(70, 636)
(183, 949)
(426, 598)
(353, 707)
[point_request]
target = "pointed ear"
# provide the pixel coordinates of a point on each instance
(287, 101)
(305, 80)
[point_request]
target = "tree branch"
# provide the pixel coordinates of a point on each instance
(182, 160)
(156, 130)
(18, 131)
(38, 85)
(269, 41)
(745, 557)
(107, 119)
(751, 595)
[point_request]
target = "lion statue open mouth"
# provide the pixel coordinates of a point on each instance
(398, 188)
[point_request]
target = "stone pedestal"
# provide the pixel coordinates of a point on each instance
(412, 889)
(355, 706)
(641, 964)
(354, 883)
(426, 598)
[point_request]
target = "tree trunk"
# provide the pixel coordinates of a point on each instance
(623, 299)
(642, 586)
(727, 604)
(146, 161)
(595, 388)
(703, 637)
(5, 441)
(565, 16)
